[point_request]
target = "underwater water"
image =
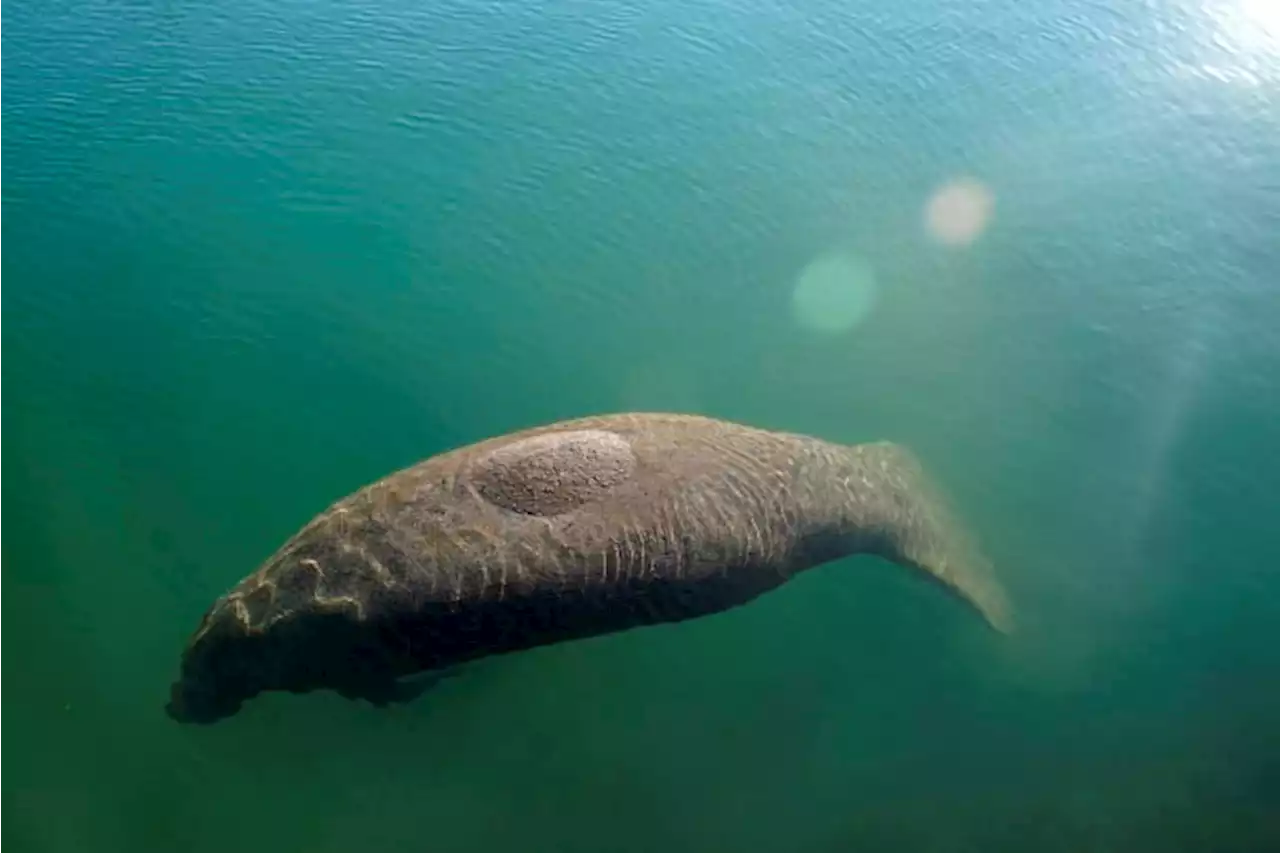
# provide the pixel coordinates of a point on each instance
(260, 254)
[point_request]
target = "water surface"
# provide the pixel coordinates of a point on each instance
(263, 253)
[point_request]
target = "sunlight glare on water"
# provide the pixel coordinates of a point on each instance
(1256, 24)
(1239, 42)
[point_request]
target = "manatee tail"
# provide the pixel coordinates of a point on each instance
(922, 531)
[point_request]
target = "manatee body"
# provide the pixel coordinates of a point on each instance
(564, 531)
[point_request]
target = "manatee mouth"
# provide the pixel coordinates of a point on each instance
(214, 680)
(225, 667)
(192, 703)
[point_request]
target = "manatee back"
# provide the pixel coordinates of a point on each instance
(603, 500)
(563, 531)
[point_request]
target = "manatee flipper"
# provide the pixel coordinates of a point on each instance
(383, 691)
(410, 687)
(923, 532)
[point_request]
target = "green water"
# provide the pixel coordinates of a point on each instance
(259, 254)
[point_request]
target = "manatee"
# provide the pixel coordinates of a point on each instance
(560, 532)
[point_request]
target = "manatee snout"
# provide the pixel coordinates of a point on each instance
(196, 701)
(217, 673)
(239, 652)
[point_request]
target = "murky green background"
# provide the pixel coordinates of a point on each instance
(259, 254)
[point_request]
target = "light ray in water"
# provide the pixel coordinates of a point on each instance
(1187, 368)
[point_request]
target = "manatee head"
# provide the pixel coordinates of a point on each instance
(294, 626)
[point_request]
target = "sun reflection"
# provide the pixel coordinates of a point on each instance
(1246, 35)
(1233, 41)
(1263, 18)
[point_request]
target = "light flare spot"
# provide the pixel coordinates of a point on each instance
(834, 292)
(958, 212)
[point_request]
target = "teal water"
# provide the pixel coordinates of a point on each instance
(261, 254)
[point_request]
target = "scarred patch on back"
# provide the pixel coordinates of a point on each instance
(553, 473)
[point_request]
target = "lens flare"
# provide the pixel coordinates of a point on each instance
(958, 212)
(834, 292)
